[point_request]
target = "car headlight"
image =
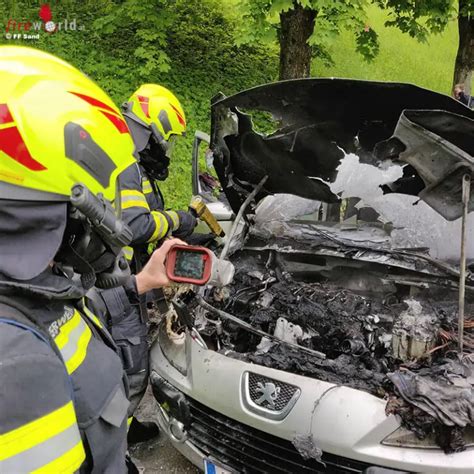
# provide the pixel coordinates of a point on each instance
(403, 438)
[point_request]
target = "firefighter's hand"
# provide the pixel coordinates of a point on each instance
(187, 223)
(153, 274)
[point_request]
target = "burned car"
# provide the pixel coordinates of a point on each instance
(338, 347)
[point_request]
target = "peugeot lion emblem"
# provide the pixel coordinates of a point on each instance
(268, 397)
(269, 393)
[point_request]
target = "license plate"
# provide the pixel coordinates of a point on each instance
(210, 467)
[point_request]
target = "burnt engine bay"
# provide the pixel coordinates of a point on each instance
(363, 325)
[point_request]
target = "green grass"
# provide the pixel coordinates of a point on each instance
(401, 58)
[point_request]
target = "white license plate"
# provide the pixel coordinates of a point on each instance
(210, 467)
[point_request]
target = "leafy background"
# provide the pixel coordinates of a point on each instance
(189, 46)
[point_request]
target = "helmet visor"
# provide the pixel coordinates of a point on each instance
(171, 143)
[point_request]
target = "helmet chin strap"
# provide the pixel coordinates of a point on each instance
(105, 270)
(151, 148)
(155, 164)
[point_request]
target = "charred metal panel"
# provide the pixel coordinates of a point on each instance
(439, 145)
(318, 120)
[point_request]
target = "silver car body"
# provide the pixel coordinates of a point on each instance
(228, 424)
(346, 422)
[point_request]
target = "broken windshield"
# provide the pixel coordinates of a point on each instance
(409, 222)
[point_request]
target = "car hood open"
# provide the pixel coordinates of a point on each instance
(318, 121)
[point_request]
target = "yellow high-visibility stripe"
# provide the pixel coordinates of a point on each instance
(37, 431)
(93, 317)
(175, 218)
(78, 357)
(129, 204)
(133, 198)
(161, 226)
(129, 421)
(69, 462)
(130, 192)
(128, 252)
(146, 187)
(72, 340)
(65, 330)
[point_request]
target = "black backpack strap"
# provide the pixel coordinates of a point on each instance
(12, 312)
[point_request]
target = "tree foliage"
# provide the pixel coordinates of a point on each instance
(148, 23)
(261, 22)
(420, 19)
(417, 18)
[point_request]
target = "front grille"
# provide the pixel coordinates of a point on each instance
(256, 383)
(248, 450)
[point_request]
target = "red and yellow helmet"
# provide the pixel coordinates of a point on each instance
(154, 111)
(63, 144)
(156, 105)
(57, 128)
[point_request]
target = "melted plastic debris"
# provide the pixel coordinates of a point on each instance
(305, 445)
(285, 331)
(284, 207)
(414, 332)
(358, 318)
(438, 400)
(414, 223)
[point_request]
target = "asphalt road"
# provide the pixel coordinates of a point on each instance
(158, 455)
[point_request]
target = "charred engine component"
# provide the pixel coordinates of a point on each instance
(414, 332)
(275, 316)
(309, 321)
(274, 320)
(355, 347)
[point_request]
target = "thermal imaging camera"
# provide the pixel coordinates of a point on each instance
(197, 266)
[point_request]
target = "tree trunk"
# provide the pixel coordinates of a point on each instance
(296, 26)
(465, 57)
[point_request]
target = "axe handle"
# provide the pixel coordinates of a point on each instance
(202, 211)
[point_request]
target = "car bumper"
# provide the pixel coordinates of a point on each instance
(347, 424)
(235, 446)
(184, 446)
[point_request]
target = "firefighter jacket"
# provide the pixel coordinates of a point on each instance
(143, 209)
(125, 319)
(63, 392)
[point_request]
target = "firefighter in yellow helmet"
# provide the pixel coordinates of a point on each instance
(63, 143)
(156, 120)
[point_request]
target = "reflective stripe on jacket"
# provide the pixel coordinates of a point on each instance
(142, 208)
(50, 443)
(50, 409)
